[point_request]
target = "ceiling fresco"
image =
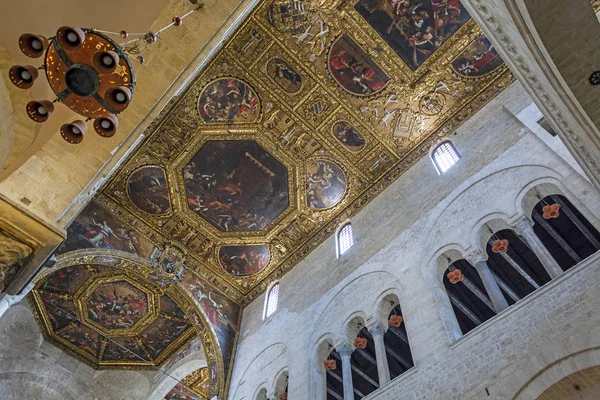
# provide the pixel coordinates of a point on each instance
(308, 112)
(109, 319)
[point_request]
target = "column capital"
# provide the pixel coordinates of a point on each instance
(376, 330)
(344, 350)
(476, 256)
(523, 224)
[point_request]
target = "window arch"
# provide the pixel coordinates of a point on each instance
(272, 300)
(444, 156)
(345, 239)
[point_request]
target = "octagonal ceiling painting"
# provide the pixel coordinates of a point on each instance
(236, 185)
(107, 319)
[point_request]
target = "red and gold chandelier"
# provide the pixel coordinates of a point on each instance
(88, 71)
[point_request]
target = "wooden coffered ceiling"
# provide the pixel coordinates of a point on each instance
(309, 111)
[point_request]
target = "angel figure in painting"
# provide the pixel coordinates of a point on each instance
(100, 234)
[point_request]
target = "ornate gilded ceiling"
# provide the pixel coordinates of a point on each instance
(309, 111)
(109, 318)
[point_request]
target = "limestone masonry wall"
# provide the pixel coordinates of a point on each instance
(398, 238)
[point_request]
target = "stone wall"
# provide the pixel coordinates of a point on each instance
(398, 238)
(31, 368)
(53, 178)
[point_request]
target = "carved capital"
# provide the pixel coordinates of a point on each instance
(12, 252)
(476, 256)
(345, 350)
(523, 224)
(376, 330)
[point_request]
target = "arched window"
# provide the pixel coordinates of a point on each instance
(345, 239)
(564, 231)
(444, 156)
(467, 295)
(272, 298)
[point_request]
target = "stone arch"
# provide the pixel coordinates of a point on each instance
(122, 384)
(317, 370)
(14, 384)
(571, 69)
(437, 266)
(280, 383)
(557, 371)
(261, 393)
(14, 374)
(270, 361)
(19, 326)
(481, 231)
(353, 325)
(139, 266)
(384, 305)
(328, 319)
(170, 378)
(528, 198)
(17, 131)
(505, 23)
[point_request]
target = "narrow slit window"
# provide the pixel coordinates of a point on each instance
(444, 156)
(272, 299)
(345, 239)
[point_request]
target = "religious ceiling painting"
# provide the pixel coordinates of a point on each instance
(348, 136)
(354, 69)
(108, 318)
(478, 59)
(236, 185)
(147, 188)
(243, 260)
(325, 184)
(97, 228)
(222, 313)
(284, 75)
(192, 347)
(308, 112)
(229, 100)
(414, 29)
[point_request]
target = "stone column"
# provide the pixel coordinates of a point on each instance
(478, 260)
(7, 301)
(383, 370)
(345, 351)
(525, 228)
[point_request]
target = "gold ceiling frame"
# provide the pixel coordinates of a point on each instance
(235, 134)
(80, 298)
(369, 170)
(137, 269)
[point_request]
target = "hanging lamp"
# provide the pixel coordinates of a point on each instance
(88, 71)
